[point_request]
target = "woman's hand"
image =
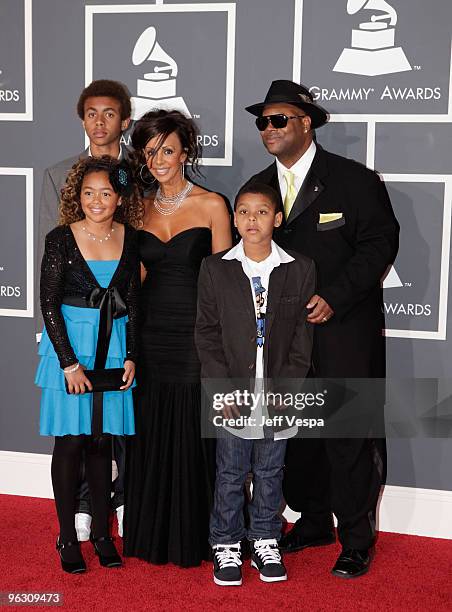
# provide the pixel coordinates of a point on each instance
(77, 381)
(129, 374)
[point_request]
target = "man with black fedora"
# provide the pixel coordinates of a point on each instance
(337, 212)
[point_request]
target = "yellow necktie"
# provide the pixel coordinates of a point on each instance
(291, 193)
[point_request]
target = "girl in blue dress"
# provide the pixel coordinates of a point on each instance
(89, 292)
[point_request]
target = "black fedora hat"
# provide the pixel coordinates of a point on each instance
(288, 92)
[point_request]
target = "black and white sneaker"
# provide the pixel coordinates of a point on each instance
(266, 558)
(227, 563)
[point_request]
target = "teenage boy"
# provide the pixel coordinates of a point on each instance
(104, 110)
(235, 340)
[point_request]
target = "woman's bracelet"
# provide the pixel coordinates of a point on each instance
(72, 369)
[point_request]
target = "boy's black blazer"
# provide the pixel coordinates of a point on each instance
(225, 332)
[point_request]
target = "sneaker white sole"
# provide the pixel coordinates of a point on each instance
(269, 578)
(227, 582)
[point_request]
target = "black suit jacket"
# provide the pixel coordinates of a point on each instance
(351, 256)
(225, 332)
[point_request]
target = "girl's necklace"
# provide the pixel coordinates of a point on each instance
(95, 238)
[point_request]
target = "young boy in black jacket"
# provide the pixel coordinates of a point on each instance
(252, 323)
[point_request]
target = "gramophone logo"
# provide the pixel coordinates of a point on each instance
(157, 89)
(373, 51)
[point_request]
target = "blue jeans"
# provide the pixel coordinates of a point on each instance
(235, 458)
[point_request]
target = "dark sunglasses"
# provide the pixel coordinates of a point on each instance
(277, 121)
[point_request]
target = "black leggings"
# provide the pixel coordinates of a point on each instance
(66, 459)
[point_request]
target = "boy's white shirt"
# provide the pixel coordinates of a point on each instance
(263, 269)
(121, 154)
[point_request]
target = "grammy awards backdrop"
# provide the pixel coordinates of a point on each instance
(381, 69)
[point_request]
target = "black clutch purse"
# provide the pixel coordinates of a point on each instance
(104, 380)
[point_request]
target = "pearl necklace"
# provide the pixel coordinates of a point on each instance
(173, 202)
(93, 237)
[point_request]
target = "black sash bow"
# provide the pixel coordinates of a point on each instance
(111, 306)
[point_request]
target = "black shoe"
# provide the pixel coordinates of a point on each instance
(352, 563)
(227, 563)
(266, 558)
(106, 551)
(294, 540)
(77, 564)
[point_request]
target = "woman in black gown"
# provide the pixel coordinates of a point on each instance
(170, 469)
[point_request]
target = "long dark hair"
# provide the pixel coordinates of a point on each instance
(162, 123)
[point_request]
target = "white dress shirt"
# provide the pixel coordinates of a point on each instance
(120, 156)
(300, 170)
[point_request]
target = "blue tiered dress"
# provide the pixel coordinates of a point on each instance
(63, 414)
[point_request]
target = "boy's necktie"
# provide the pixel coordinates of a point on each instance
(260, 318)
(291, 193)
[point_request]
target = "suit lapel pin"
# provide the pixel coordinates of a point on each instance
(316, 188)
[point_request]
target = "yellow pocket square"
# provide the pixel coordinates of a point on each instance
(327, 217)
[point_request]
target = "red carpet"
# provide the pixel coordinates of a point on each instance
(409, 573)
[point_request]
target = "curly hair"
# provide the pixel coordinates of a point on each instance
(131, 210)
(162, 123)
(108, 89)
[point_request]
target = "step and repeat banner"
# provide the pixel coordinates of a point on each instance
(382, 70)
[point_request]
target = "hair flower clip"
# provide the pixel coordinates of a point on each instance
(120, 179)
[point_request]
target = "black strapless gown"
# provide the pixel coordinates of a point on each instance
(170, 469)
